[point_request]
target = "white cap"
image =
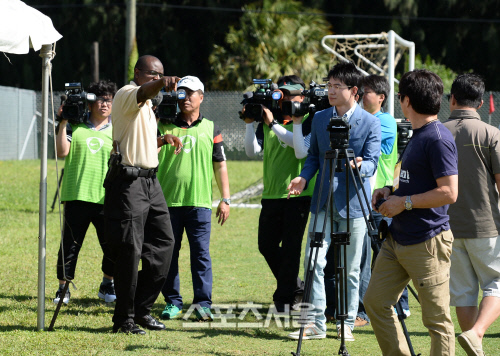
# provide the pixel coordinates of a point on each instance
(192, 83)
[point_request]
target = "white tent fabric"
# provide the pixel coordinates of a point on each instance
(21, 26)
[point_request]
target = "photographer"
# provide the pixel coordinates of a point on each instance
(186, 181)
(137, 219)
(419, 242)
(86, 146)
(365, 137)
(282, 222)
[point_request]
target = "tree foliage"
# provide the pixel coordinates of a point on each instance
(269, 43)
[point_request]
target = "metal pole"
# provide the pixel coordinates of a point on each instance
(129, 34)
(94, 61)
(46, 54)
(390, 59)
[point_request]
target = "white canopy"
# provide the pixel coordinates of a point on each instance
(22, 27)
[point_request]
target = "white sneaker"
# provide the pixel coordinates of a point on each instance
(311, 332)
(348, 333)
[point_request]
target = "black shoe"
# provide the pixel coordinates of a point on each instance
(128, 328)
(150, 323)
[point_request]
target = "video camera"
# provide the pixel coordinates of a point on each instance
(316, 99)
(75, 106)
(267, 94)
(339, 132)
(167, 109)
(404, 133)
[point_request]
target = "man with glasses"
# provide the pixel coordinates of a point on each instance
(282, 222)
(344, 80)
(187, 185)
(138, 225)
(86, 147)
(419, 242)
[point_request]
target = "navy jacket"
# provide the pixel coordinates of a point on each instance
(365, 140)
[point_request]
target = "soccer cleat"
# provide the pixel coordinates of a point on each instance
(107, 292)
(203, 314)
(170, 312)
(58, 296)
(311, 332)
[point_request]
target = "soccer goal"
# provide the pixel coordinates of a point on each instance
(373, 54)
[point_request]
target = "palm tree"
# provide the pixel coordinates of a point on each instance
(274, 38)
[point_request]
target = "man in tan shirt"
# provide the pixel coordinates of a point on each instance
(137, 218)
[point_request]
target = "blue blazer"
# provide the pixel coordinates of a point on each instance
(365, 140)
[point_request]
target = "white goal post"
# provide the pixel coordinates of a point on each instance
(373, 54)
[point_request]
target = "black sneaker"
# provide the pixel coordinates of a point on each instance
(128, 328)
(59, 294)
(107, 292)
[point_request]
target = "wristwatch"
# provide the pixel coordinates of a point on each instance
(408, 203)
(163, 139)
(274, 122)
(226, 200)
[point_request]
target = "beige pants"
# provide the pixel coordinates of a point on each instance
(428, 265)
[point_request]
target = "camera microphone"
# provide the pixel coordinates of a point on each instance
(63, 98)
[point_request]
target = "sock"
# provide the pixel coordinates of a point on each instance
(106, 281)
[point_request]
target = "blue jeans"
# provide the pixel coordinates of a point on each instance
(357, 228)
(197, 223)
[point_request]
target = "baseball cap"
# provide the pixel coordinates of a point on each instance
(290, 86)
(192, 83)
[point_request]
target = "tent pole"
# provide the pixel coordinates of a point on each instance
(46, 54)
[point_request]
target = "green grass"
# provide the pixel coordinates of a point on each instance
(84, 326)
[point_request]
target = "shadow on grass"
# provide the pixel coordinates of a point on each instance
(17, 298)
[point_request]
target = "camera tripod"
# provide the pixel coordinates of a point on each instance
(339, 240)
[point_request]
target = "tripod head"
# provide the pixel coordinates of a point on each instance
(339, 132)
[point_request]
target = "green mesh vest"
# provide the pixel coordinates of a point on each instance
(186, 178)
(86, 164)
(385, 169)
(281, 166)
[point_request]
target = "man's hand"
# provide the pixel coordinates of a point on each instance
(359, 160)
(246, 119)
(174, 141)
(393, 206)
(267, 116)
(381, 193)
(170, 83)
(296, 186)
(297, 120)
(222, 213)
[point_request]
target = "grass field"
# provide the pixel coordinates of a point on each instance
(84, 326)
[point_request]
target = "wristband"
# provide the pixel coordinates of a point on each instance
(272, 123)
(163, 139)
(390, 188)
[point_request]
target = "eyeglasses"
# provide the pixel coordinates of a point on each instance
(103, 101)
(337, 86)
(151, 73)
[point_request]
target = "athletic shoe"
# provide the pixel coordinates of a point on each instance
(170, 312)
(311, 332)
(58, 296)
(348, 333)
(470, 343)
(107, 292)
(203, 314)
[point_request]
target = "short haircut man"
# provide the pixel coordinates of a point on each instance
(284, 141)
(344, 79)
(418, 205)
(475, 217)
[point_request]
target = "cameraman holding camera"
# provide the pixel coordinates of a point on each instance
(282, 221)
(86, 146)
(344, 79)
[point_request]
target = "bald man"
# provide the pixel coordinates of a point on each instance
(137, 219)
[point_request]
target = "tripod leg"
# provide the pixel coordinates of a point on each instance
(65, 289)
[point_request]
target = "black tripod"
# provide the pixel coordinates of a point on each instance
(340, 240)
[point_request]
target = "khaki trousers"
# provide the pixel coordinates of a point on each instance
(427, 264)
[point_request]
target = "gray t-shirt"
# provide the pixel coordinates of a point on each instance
(476, 213)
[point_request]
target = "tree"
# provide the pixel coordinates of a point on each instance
(269, 43)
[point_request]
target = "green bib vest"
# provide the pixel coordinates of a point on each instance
(86, 164)
(186, 178)
(281, 166)
(386, 164)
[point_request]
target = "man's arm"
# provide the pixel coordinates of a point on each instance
(62, 143)
(150, 89)
(445, 193)
(221, 177)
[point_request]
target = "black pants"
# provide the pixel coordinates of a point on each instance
(137, 228)
(281, 229)
(77, 217)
